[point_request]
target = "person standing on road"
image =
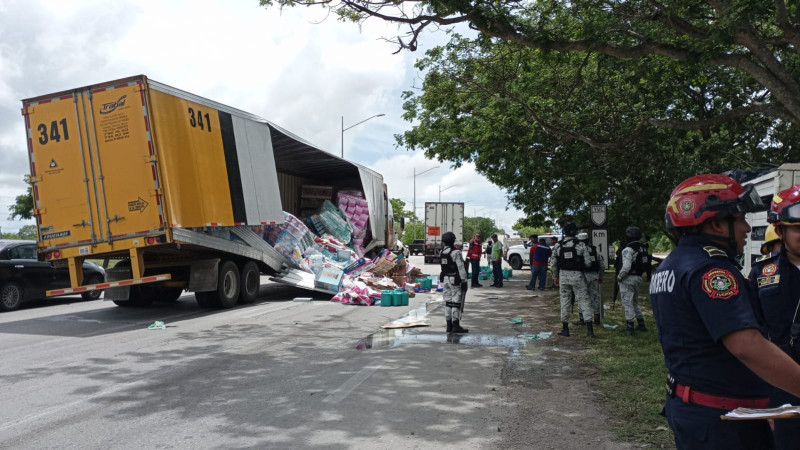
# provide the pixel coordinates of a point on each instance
(474, 255)
(716, 356)
(454, 278)
(634, 262)
(777, 278)
(539, 260)
(497, 262)
(594, 276)
(569, 262)
(489, 252)
(534, 243)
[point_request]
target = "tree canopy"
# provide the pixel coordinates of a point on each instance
(566, 104)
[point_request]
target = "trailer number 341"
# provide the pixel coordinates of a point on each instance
(53, 133)
(196, 119)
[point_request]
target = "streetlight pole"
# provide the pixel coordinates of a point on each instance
(415, 194)
(351, 126)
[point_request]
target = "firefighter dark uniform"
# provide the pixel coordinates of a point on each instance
(699, 299)
(778, 284)
(698, 295)
(454, 278)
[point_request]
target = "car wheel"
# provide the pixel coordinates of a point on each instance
(92, 295)
(251, 281)
(11, 295)
(516, 262)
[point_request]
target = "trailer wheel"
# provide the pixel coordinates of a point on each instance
(516, 262)
(11, 295)
(168, 294)
(205, 299)
(228, 285)
(251, 281)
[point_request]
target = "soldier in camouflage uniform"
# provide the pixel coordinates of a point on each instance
(594, 275)
(454, 278)
(634, 262)
(569, 261)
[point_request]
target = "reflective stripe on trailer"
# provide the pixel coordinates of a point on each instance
(111, 284)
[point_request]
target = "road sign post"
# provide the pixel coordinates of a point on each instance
(599, 227)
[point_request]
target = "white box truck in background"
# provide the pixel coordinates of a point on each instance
(766, 185)
(441, 217)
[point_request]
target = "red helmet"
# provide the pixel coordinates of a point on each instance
(709, 196)
(785, 208)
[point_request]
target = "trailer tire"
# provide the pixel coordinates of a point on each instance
(228, 285)
(167, 294)
(11, 296)
(205, 299)
(516, 262)
(251, 281)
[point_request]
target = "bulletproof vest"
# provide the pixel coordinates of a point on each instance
(595, 266)
(449, 267)
(640, 259)
(568, 258)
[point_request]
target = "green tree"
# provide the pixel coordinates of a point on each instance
(567, 104)
(27, 232)
(524, 230)
(22, 207)
(483, 225)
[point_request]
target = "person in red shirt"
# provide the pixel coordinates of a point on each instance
(540, 255)
(474, 256)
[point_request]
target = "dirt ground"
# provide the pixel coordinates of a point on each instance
(547, 399)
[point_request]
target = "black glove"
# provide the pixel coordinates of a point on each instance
(463, 286)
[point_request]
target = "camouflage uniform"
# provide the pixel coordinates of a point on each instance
(571, 281)
(593, 285)
(452, 286)
(629, 285)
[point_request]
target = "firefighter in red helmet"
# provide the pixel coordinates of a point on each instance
(716, 356)
(777, 279)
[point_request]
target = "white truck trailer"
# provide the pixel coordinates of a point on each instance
(766, 185)
(441, 217)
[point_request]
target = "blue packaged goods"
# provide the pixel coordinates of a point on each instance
(329, 279)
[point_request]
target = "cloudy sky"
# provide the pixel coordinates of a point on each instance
(293, 68)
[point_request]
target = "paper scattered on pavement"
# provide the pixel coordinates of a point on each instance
(302, 299)
(605, 325)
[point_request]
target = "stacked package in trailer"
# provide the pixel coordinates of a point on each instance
(173, 184)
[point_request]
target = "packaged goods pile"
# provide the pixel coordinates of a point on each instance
(329, 242)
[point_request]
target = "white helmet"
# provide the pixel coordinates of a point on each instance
(582, 237)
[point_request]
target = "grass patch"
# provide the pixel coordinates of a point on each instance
(632, 372)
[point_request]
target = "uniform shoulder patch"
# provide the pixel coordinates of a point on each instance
(720, 284)
(715, 252)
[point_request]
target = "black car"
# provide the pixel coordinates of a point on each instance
(417, 247)
(24, 278)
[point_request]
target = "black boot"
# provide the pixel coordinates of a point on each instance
(457, 327)
(589, 329)
(580, 320)
(449, 326)
(597, 319)
(641, 326)
(628, 328)
(564, 329)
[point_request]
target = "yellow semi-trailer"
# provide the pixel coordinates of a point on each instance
(175, 186)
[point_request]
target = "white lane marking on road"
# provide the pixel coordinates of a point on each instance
(350, 385)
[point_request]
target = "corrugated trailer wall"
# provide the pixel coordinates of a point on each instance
(217, 163)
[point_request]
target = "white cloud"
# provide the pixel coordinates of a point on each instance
(291, 67)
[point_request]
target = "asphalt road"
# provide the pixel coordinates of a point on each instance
(284, 374)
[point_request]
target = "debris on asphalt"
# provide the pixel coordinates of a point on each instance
(404, 325)
(605, 325)
(302, 299)
(157, 325)
(516, 320)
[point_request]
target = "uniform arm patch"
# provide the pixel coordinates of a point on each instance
(715, 252)
(720, 284)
